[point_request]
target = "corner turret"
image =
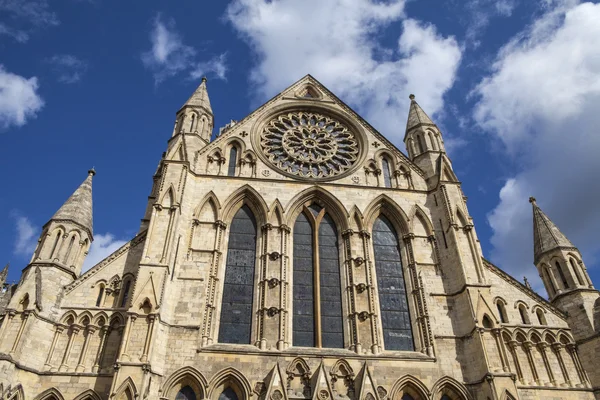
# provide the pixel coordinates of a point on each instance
(195, 117)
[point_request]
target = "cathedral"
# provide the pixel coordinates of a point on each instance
(298, 255)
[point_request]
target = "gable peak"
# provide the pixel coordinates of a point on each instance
(546, 235)
(78, 207)
(200, 97)
(416, 115)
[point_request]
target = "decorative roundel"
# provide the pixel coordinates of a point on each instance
(309, 145)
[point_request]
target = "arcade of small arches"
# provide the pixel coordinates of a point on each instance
(537, 356)
(560, 276)
(59, 246)
(421, 141)
(314, 250)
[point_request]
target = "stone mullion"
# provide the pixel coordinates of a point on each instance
(351, 292)
(416, 294)
(513, 349)
(60, 253)
(103, 334)
(20, 332)
(429, 335)
(528, 346)
(557, 348)
(500, 345)
(86, 342)
(6, 322)
(284, 287)
(149, 332)
(57, 333)
(542, 347)
(572, 350)
(128, 326)
(74, 332)
(261, 341)
(371, 290)
(211, 291)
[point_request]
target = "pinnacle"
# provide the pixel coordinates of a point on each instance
(200, 97)
(416, 115)
(78, 207)
(546, 235)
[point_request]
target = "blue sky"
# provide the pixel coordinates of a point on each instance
(513, 84)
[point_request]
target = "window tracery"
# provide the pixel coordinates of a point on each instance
(308, 144)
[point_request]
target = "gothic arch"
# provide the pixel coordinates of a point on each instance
(235, 141)
(334, 207)
(100, 317)
(382, 204)
(69, 314)
(408, 384)
(390, 156)
(506, 395)
(50, 394)
(417, 215)
(88, 395)
(461, 217)
(450, 387)
(356, 219)
(246, 195)
(210, 199)
(342, 368)
(15, 393)
(118, 318)
(170, 196)
(229, 377)
(548, 336)
(293, 369)
(127, 385)
(276, 213)
(83, 316)
(186, 376)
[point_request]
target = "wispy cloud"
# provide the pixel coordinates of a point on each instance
(21, 18)
(169, 56)
(540, 101)
(338, 42)
(27, 235)
(102, 246)
(19, 99)
(68, 68)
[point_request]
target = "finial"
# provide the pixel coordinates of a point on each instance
(412, 97)
(92, 172)
(527, 284)
(204, 79)
(532, 200)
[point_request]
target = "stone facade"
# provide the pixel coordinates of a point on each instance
(188, 310)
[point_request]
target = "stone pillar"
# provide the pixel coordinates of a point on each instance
(89, 331)
(557, 347)
(103, 334)
(59, 329)
(151, 319)
(74, 331)
(528, 346)
(513, 349)
(211, 287)
(351, 292)
(20, 332)
(542, 347)
(282, 344)
(128, 325)
(368, 265)
(572, 350)
(500, 345)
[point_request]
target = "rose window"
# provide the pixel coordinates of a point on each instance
(309, 145)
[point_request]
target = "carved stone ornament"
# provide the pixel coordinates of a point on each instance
(323, 395)
(276, 395)
(308, 144)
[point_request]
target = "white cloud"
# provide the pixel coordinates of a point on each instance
(24, 17)
(19, 99)
(27, 235)
(169, 56)
(541, 102)
(68, 68)
(337, 42)
(102, 246)
(481, 12)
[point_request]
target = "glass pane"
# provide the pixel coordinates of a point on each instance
(303, 317)
(232, 161)
(395, 317)
(228, 394)
(236, 309)
(407, 397)
(387, 180)
(332, 321)
(186, 393)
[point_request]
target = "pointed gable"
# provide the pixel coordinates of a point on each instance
(200, 98)
(78, 207)
(546, 235)
(416, 115)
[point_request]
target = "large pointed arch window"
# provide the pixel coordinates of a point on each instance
(186, 393)
(317, 314)
(238, 288)
(395, 316)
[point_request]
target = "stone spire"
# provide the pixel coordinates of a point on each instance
(546, 235)
(78, 207)
(416, 115)
(199, 98)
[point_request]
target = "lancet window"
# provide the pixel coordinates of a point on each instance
(228, 394)
(233, 152)
(317, 310)
(387, 172)
(563, 278)
(186, 393)
(238, 287)
(395, 315)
